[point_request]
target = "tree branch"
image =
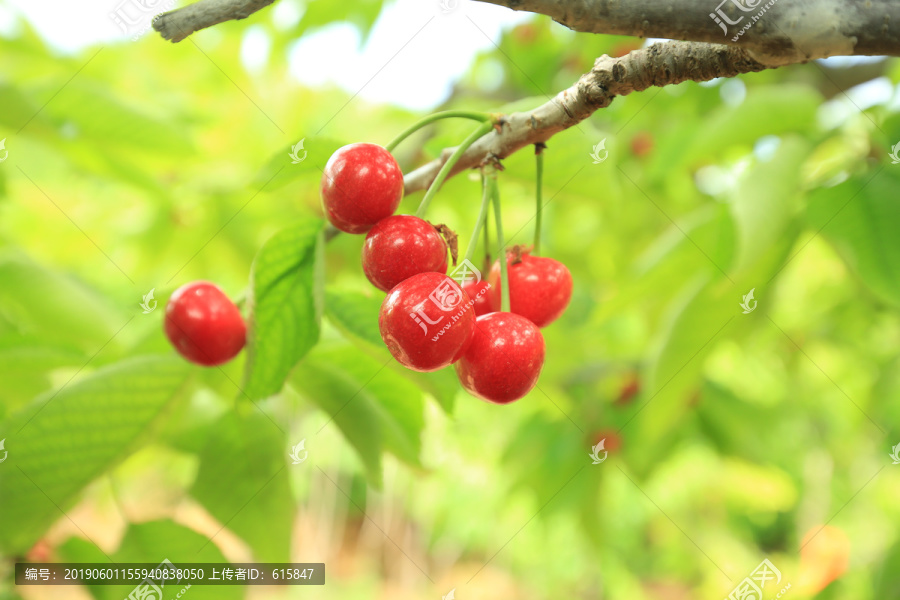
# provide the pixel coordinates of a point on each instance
(787, 32)
(178, 24)
(658, 65)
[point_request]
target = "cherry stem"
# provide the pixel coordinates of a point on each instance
(482, 217)
(539, 164)
(445, 170)
(487, 243)
(447, 114)
(504, 275)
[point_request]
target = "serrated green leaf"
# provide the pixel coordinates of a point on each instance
(286, 288)
(82, 431)
(243, 482)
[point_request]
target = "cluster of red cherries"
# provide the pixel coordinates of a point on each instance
(429, 321)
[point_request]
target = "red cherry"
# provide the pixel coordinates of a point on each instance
(427, 322)
(361, 185)
(401, 246)
(480, 292)
(611, 439)
(642, 144)
(630, 389)
(539, 288)
(504, 360)
(204, 325)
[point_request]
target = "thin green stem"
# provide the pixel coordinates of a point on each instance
(504, 275)
(447, 114)
(445, 170)
(539, 164)
(487, 242)
(482, 217)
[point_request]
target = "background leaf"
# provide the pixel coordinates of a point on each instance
(82, 431)
(285, 306)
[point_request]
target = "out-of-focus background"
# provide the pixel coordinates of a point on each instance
(736, 427)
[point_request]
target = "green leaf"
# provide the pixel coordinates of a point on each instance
(54, 308)
(374, 407)
(243, 483)
(281, 169)
(362, 13)
(82, 431)
(766, 200)
(285, 306)
(768, 110)
(157, 541)
(98, 115)
(860, 218)
(356, 316)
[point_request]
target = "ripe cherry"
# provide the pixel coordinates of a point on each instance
(630, 389)
(642, 144)
(480, 292)
(427, 322)
(539, 288)
(401, 246)
(504, 360)
(361, 185)
(204, 325)
(611, 439)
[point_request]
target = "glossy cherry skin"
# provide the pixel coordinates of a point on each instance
(399, 247)
(539, 288)
(427, 322)
(504, 360)
(361, 185)
(204, 325)
(480, 292)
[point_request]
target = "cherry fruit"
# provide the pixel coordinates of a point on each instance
(480, 292)
(539, 288)
(204, 325)
(427, 322)
(504, 360)
(401, 246)
(361, 185)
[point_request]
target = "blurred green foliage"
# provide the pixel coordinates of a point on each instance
(158, 164)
